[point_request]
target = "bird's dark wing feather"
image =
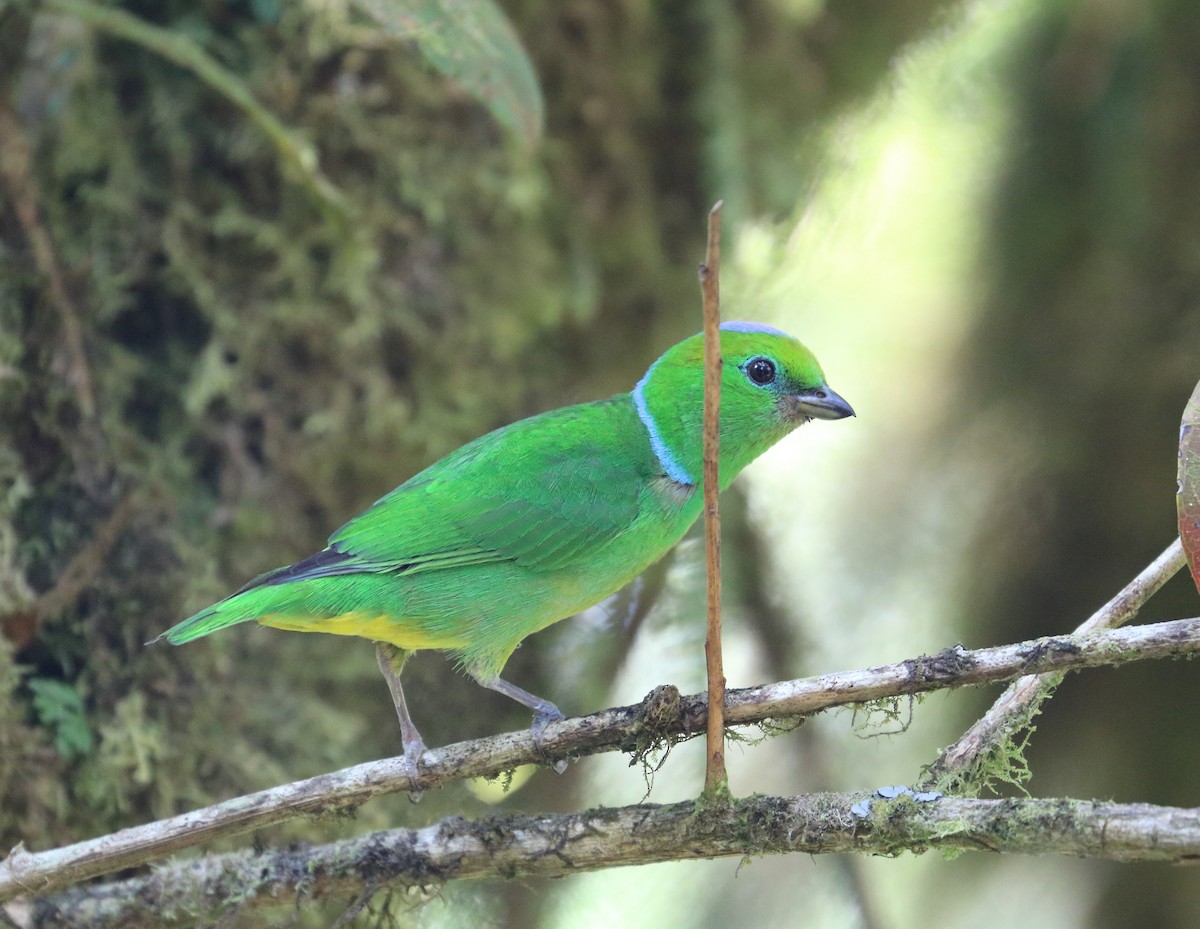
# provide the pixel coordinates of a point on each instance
(325, 563)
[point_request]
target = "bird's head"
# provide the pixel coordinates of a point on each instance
(763, 368)
(770, 384)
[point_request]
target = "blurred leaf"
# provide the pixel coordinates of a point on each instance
(1189, 484)
(493, 790)
(60, 708)
(472, 42)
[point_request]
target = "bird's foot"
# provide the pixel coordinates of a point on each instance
(413, 750)
(546, 714)
(543, 716)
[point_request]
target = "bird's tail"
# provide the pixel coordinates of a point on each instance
(215, 617)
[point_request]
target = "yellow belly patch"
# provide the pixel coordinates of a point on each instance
(376, 628)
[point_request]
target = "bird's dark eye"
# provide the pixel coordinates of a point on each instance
(760, 370)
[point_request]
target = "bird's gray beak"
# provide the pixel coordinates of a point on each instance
(820, 403)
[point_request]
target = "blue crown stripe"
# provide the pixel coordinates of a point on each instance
(740, 326)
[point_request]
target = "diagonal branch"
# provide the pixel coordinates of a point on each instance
(956, 767)
(220, 887)
(663, 717)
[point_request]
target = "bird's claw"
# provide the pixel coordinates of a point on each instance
(541, 719)
(544, 717)
(544, 712)
(412, 760)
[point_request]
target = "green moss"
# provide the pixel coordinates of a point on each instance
(887, 716)
(1003, 763)
(715, 799)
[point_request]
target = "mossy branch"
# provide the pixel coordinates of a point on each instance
(298, 157)
(519, 846)
(663, 716)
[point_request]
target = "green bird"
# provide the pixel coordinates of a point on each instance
(535, 521)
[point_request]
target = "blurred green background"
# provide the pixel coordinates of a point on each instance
(262, 261)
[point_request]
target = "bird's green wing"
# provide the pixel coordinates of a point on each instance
(540, 492)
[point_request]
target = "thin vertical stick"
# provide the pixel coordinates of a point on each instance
(715, 778)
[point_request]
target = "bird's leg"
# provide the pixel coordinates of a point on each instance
(391, 660)
(544, 712)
